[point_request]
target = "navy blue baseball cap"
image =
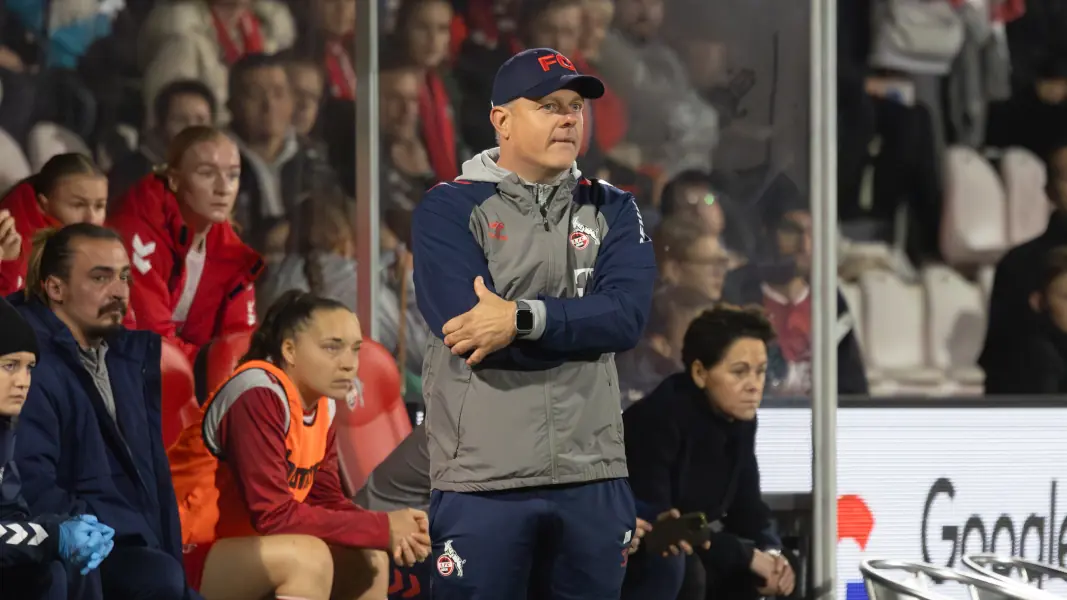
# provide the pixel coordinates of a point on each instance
(537, 73)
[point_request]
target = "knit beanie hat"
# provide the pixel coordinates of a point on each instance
(16, 335)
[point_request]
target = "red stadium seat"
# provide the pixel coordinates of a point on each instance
(217, 360)
(179, 402)
(374, 420)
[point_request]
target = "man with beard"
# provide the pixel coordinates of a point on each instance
(89, 439)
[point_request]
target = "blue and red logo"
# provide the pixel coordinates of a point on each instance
(855, 522)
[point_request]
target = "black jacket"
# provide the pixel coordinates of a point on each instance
(681, 453)
(1018, 274)
(1035, 364)
(23, 540)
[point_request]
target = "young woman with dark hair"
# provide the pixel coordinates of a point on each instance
(69, 189)
(262, 506)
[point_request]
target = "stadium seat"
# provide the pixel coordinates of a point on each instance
(973, 230)
(985, 281)
(373, 420)
(180, 407)
(13, 164)
(893, 332)
(955, 326)
(49, 139)
(216, 361)
(854, 300)
(1028, 205)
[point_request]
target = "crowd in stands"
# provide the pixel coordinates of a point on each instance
(215, 139)
(941, 160)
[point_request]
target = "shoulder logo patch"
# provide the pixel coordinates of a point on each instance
(141, 252)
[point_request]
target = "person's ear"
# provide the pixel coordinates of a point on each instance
(53, 288)
(500, 117)
(699, 374)
(1037, 302)
(43, 201)
(289, 352)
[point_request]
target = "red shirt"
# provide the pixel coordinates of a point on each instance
(252, 436)
(158, 241)
(21, 202)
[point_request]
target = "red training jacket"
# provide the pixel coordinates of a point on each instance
(158, 240)
(21, 202)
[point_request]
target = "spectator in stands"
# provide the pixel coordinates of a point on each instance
(330, 41)
(194, 274)
(779, 280)
(180, 104)
(674, 127)
(1018, 273)
(659, 353)
(70, 188)
(323, 260)
(203, 39)
(309, 86)
(597, 16)
(260, 494)
(490, 37)
(62, 30)
(34, 550)
(278, 167)
(694, 195)
(691, 446)
(89, 437)
(559, 24)
(1036, 360)
(690, 255)
(421, 41)
(406, 168)
(546, 338)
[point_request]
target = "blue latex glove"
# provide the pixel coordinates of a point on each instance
(85, 542)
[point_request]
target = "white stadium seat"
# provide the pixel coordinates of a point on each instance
(894, 322)
(985, 281)
(1024, 178)
(955, 325)
(13, 164)
(48, 139)
(973, 230)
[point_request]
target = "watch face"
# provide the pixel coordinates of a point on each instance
(524, 319)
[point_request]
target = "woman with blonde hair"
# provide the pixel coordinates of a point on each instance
(193, 275)
(69, 189)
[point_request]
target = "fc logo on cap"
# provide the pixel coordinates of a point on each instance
(556, 59)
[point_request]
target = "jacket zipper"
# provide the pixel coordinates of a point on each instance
(550, 273)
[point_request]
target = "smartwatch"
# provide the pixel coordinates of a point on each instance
(524, 319)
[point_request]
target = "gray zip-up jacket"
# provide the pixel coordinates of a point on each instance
(546, 409)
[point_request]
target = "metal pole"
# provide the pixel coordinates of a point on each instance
(367, 169)
(824, 294)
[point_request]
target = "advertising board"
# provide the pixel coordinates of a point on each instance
(932, 484)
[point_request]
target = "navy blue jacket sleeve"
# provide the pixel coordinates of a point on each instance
(611, 316)
(23, 540)
(170, 525)
(749, 516)
(447, 261)
(38, 455)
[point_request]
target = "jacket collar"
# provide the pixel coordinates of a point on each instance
(126, 344)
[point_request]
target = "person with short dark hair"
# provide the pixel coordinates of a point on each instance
(1035, 361)
(68, 189)
(691, 446)
(89, 436)
(278, 167)
(36, 551)
(180, 104)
